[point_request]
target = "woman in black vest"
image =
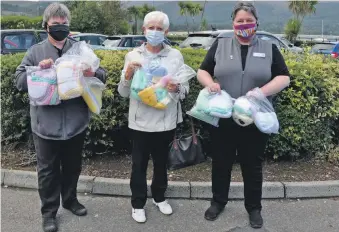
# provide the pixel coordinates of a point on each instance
(238, 65)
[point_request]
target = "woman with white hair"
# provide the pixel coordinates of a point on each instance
(152, 129)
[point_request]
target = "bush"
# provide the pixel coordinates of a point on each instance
(307, 110)
(21, 22)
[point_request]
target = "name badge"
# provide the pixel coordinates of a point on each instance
(256, 54)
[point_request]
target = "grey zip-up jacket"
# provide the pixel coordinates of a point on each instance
(145, 118)
(63, 121)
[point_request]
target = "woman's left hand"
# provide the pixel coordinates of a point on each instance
(171, 87)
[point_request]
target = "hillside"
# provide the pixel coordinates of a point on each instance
(272, 15)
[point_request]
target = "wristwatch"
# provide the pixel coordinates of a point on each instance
(178, 88)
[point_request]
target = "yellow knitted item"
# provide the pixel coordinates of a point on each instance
(69, 84)
(148, 96)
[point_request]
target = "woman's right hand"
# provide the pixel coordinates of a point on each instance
(131, 67)
(214, 88)
(45, 64)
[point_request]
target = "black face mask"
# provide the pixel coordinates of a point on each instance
(59, 32)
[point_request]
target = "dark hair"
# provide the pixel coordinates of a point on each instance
(246, 6)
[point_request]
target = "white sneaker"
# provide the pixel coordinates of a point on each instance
(164, 207)
(139, 215)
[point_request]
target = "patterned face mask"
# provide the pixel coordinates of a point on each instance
(246, 31)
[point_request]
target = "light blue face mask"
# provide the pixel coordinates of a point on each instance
(154, 37)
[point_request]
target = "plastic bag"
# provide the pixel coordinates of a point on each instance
(263, 112)
(150, 81)
(70, 68)
(199, 109)
(220, 105)
(242, 111)
(86, 55)
(42, 86)
(69, 75)
(92, 94)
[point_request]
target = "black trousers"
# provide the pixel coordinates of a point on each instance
(228, 141)
(144, 145)
(59, 167)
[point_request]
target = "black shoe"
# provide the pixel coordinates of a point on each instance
(256, 220)
(49, 224)
(213, 211)
(76, 208)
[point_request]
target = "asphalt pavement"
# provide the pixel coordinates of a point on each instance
(20, 213)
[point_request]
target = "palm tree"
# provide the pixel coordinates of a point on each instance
(193, 10)
(202, 20)
(145, 9)
(183, 11)
(135, 12)
(302, 8)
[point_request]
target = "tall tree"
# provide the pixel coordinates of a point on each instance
(203, 20)
(194, 9)
(145, 9)
(299, 9)
(184, 11)
(135, 12)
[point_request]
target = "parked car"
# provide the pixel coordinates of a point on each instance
(90, 38)
(206, 39)
(124, 42)
(200, 40)
(19, 40)
(326, 48)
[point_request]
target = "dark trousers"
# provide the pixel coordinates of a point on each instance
(59, 167)
(228, 141)
(144, 145)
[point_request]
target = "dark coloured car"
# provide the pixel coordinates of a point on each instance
(19, 40)
(329, 48)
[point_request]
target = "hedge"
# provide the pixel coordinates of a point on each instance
(307, 110)
(21, 22)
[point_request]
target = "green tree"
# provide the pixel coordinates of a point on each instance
(145, 9)
(292, 29)
(184, 12)
(115, 17)
(194, 9)
(302, 8)
(87, 17)
(135, 12)
(204, 24)
(299, 9)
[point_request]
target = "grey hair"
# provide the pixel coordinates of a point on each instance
(56, 10)
(245, 6)
(158, 16)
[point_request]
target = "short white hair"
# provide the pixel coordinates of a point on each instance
(159, 17)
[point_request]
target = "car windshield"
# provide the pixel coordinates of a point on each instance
(322, 47)
(112, 42)
(205, 41)
(286, 41)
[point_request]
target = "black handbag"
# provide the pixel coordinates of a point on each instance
(185, 150)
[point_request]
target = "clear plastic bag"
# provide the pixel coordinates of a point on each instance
(86, 55)
(150, 81)
(69, 75)
(242, 111)
(263, 112)
(92, 94)
(70, 68)
(42, 86)
(199, 110)
(220, 105)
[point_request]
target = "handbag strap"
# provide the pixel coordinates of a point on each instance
(194, 135)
